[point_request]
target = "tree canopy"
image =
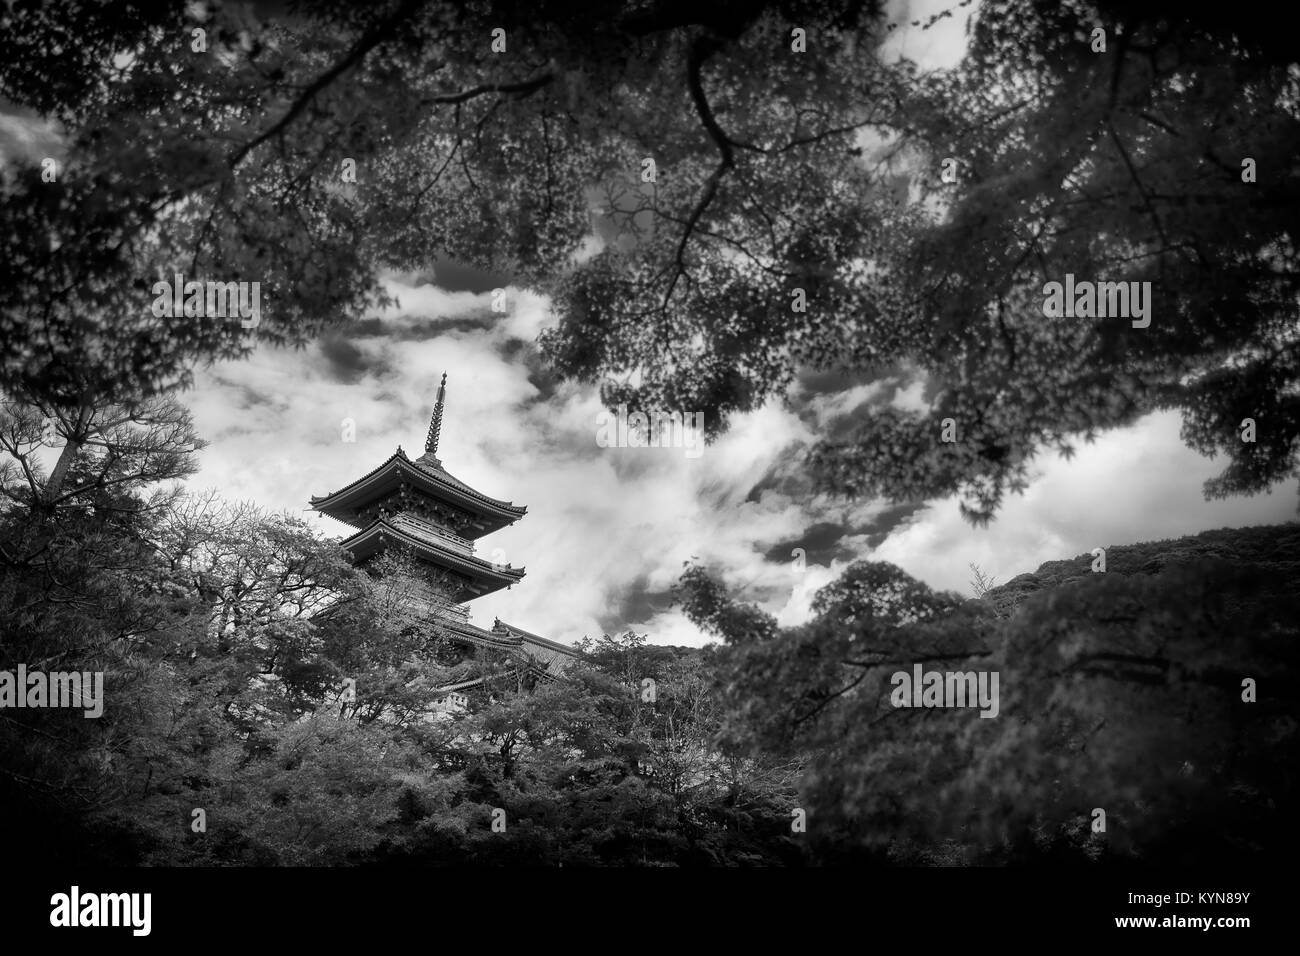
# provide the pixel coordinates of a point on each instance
(706, 230)
(1123, 691)
(717, 197)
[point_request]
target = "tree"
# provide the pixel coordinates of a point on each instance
(1124, 691)
(397, 88)
(1117, 165)
(205, 630)
(148, 184)
(751, 225)
(83, 590)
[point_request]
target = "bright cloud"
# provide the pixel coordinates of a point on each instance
(608, 529)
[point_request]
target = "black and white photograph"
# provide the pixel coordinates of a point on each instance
(482, 437)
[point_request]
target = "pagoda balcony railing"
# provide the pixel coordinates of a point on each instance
(464, 545)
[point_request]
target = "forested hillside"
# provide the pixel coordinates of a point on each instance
(1158, 691)
(1275, 547)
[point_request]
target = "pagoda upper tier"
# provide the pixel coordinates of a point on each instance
(417, 504)
(421, 489)
(467, 576)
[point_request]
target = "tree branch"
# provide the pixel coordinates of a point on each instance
(522, 88)
(354, 56)
(703, 48)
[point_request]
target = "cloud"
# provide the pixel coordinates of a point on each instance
(1134, 484)
(608, 530)
(346, 361)
(26, 137)
(939, 45)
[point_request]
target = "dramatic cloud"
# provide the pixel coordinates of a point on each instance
(609, 529)
(26, 138)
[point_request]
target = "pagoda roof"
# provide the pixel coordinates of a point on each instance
(430, 545)
(427, 475)
(547, 657)
(551, 655)
(463, 630)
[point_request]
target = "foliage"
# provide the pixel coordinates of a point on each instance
(819, 173)
(1121, 690)
(226, 636)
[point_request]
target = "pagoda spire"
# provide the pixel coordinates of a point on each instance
(435, 424)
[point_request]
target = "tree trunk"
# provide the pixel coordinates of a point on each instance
(54, 487)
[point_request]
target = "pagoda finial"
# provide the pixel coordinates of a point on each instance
(435, 424)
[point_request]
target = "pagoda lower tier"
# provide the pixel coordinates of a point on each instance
(546, 659)
(468, 576)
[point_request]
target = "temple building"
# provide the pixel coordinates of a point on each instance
(418, 504)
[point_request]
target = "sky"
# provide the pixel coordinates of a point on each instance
(608, 530)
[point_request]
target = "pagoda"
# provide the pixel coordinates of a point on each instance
(419, 505)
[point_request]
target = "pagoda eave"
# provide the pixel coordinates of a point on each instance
(545, 658)
(483, 576)
(490, 514)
